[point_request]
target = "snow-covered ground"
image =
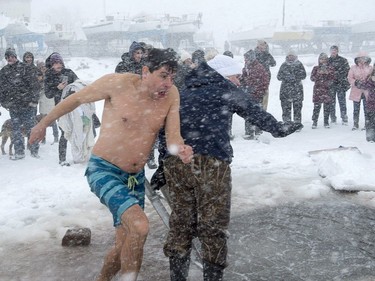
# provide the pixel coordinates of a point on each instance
(40, 199)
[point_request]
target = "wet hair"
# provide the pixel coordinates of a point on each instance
(158, 58)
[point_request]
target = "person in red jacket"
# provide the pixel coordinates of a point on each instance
(255, 82)
(323, 76)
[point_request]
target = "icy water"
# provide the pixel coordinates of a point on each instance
(325, 239)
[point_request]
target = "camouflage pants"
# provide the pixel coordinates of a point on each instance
(200, 200)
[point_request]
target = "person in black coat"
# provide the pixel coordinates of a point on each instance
(132, 60)
(19, 93)
(340, 85)
(56, 79)
(291, 74)
(200, 192)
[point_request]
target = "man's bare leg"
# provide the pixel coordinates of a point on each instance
(127, 253)
(135, 223)
(112, 261)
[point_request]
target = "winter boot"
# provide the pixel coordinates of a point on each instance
(355, 126)
(212, 272)
(345, 120)
(179, 267)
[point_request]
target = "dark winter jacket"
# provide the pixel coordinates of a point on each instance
(370, 98)
(53, 79)
(206, 105)
(182, 72)
(19, 86)
(266, 59)
(255, 80)
(323, 76)
(341, 67)
(291, 73)
(32, 65)
(128, 64)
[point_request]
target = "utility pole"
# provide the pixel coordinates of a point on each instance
(283, 23)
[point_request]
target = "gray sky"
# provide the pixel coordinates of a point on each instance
(220, 17)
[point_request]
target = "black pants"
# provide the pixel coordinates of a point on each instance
(287, 106)
(63, 144)
(370, 126)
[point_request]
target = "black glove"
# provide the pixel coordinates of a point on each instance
(287, 128)
(158, 179)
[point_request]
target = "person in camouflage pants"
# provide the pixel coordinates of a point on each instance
(201, 190)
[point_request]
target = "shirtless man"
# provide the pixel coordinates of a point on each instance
(135, 108)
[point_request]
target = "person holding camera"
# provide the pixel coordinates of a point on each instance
(323, 76)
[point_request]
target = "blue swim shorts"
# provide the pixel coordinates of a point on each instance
(116, 189)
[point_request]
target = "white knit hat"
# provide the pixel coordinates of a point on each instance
(184, 55)
(225, 65)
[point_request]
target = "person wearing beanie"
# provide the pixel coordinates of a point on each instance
(57, 77)
(56, 58)
(359, 72)
(132, 61)
(322, 75)
(255, 82)
(10, 52)
(206, 104)
(19, 93)
(263, 55)
(340, 85)
(226, 66)
(291, 74)
(210, 53)
(229, 69)
(185, 57)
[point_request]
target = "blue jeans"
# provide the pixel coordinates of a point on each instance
(23, 117)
